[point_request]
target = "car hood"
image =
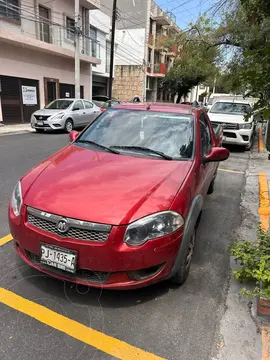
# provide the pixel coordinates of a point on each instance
(48, 112)
(103, 187)
(226, 118)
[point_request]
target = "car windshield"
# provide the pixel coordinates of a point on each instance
(59, 104)
(130, 131)
(230, 108)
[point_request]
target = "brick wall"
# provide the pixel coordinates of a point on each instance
(128, 82)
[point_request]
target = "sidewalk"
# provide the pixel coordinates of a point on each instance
(15, 129)
(243, 335)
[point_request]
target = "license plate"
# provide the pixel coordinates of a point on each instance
(58, 257)
(40, 123)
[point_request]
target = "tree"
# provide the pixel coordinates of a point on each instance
(197, 61)
(244, 33)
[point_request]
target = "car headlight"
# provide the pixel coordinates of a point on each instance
(247, 125)
(58, 116)
(16, 199)
(152, 227)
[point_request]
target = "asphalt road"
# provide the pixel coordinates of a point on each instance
(173, 323)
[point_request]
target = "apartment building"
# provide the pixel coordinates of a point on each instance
(143, 55)
(37, 54)
(100, 33)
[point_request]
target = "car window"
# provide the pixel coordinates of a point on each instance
(205, 133)
(206, 123)
(170, 133)
(59, 104)
(221, 107)
(78, 105)
(88, 104)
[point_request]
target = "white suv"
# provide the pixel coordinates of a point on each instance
(231, 115)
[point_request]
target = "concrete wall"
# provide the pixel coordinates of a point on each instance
(130, 47)
(21, 62)
(134, 12)
(128, 82)
(102, 23)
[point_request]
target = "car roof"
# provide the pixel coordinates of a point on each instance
(159, 107)
(238, 101)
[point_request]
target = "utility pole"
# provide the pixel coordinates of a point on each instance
(214, 87)
(77, 49)
(114, 10)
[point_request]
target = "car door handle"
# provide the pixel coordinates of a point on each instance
(84, 112)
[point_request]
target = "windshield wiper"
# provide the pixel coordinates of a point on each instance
(143, 149)
(98, 145)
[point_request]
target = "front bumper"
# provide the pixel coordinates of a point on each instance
(58, 124)
(112, 265)
(241, 137)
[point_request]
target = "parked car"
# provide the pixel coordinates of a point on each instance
(124, 198)
(101, 98)
(109, 104)
(231, 114)
(65, 114)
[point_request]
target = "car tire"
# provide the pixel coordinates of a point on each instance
(211, 187)
(68, 126)
(39, 130)
(182, 274)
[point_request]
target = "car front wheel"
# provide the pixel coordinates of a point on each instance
(69, 125)
(181, 276)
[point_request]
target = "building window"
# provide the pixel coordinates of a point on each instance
(108, 54)
(44, 25)
(10, 9)
(70, 25)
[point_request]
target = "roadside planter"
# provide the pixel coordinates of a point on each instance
(254, 258)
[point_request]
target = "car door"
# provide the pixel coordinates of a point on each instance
(207, 170)
(92, 111)
(78, 113)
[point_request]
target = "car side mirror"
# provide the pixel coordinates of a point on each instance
(76, 109)
(217, 154)
(73, 135)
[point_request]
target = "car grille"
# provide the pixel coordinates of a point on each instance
(37, 219)
(42, 117)
(229, 135)
(81, 274)
(227, 126)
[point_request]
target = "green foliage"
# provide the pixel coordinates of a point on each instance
(254, 258)
(197, 62)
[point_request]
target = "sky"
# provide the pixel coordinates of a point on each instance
(186, 11)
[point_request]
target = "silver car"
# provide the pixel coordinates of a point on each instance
(65, 114)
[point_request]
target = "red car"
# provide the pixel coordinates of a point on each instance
(119, 206)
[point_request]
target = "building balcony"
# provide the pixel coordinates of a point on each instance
(52, 39)
(162, 18)
(158, 70)
(90, 4)
(173, 50)
(160, 43)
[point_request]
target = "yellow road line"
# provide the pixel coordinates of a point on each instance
(264, 211)
(260, 140)
(264, 201)
(266, 343)
(232, 171)
(105, 343)
(5, 239)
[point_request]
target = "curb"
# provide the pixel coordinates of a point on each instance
(16, 132)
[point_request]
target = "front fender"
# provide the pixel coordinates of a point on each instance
(191, 221)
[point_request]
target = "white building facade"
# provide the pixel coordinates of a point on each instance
(37, 54)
